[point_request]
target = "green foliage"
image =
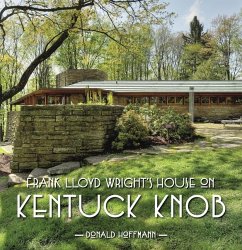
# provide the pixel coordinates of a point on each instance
(209, 70)
(227, 33)
(129, 62)
(172, 126)
(110, 98)
(199, 48)
(132, 131)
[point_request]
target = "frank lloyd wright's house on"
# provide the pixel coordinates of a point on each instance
(213, 100)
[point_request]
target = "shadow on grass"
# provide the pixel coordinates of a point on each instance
(183, 233)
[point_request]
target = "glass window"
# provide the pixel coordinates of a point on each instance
(153, 100)
(186, 100)
(238, 99)
(144, 100)
(59, 100)
(205, 100)
(222, 100)
(40, 100)
(162, 100)
(137, 100)
(51, 100)
(55, 100)
(129, 100)
(171, 99)
(214, 100)
(179, 100)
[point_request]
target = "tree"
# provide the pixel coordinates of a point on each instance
(227, 32)
(196, 32)
(82, 50)
(210, 69)
(198, 47)
(68, 17)
(132, 61)
(166, 53)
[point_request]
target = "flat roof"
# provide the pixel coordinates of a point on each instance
(161, 86)
(143, 87)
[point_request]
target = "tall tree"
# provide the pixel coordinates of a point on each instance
(166, 53)
(228, 35)
(197, 49)
(129, 62)
(196, 32)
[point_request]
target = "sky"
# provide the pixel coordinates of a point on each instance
(206, 10)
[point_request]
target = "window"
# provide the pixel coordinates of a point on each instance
(51, 100)
(237, 99)
(137, 100)
(59, 100)
(222, 100)
(205, 100)
(213, 100)
(153, 100)
(144, 100)
(162, 100)
(129, 100)
(234, 100)
(55, 100)
(171, 99)
(141, 100)
(179, 100)
(186, 100)
(40, 100)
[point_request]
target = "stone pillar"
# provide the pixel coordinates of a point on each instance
(191, 103)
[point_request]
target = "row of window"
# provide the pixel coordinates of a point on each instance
(161, 100)
(52, 100)
(182, 100)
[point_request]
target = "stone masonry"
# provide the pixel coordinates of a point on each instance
(12, 123)
(49, 135)
(77, 75)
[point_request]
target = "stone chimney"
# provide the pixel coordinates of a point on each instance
(71, 76)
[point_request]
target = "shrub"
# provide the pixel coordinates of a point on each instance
(168, 124)
(132, 131)
(175, 127)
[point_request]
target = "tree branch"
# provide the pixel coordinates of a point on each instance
(25, 8)
(43, 56)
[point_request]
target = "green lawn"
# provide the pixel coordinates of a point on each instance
(183, 233)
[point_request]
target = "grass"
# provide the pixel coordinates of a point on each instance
(183, 233)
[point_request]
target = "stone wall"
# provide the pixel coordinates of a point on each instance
(77, 75)
(211, 112)
(218, 112)
(49, 135)
(12, 123)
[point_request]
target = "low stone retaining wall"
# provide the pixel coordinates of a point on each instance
(49, 135)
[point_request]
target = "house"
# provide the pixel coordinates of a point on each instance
(213, 100)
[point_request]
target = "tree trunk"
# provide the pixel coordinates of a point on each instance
(34, 64)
